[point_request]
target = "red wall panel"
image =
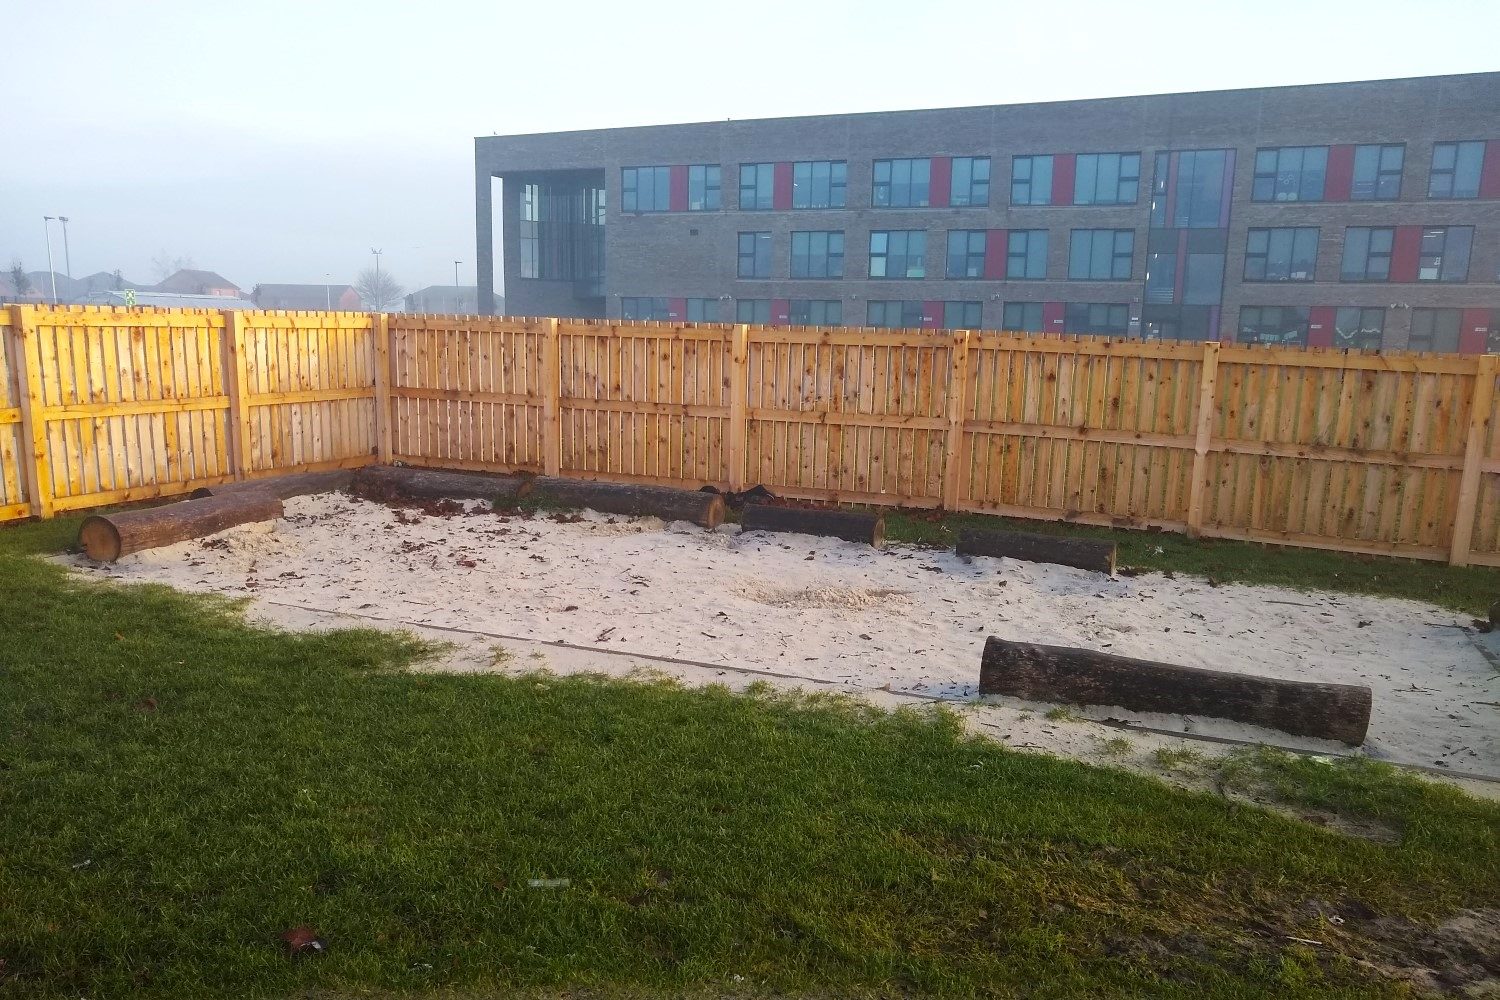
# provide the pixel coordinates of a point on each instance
(942, 181)
(996, 244)
(781, 188)
(1320, 326)
(1489, 178)
(932, 315)
(1340, 173)
(677, 308)
(677, 174)
(1064, 168)
(1474, 330)
(1052, 317)
(781, 310)
(1405, 253)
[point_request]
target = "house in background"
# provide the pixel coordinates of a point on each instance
(166, 300)
(308, 297)
(458, 299)
(190, 282)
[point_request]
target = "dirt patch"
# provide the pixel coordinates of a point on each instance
(1460, 956)
(847, 598)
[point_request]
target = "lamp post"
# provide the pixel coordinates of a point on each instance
(47, 229)
(458, 296)
(67, 255)
(328, 292)
(380, 303)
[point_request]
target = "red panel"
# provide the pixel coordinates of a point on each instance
(1474, 331)
(996, 245)
(1320, 326)
(932, 315)
(678, 177)
(781, 309)
(942, 181)
(1340, 178)
(1406, 250)
(1180, 275)
(1489, 177)
(676, 308)
(1064, 167)
(781, 190)
(1052, 317)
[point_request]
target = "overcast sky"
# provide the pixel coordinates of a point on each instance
(280, 141)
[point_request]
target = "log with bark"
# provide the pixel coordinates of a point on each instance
(703, 509)
(850, 525)
(1087, 677)
(1083, 553)
(107, 537)
(391, 481)
(296, 484)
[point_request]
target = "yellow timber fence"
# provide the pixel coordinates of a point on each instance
(1395, 454)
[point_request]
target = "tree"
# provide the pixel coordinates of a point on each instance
(165, 265)
(377, 293)
(19, 278)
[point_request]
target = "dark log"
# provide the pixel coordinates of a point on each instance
(391, 482)
(703, 509)
(1087, 677)
(1084, 553)
(297, 484)
(850, 525)
(107, 537)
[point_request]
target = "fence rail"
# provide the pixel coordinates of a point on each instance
(1394, 454)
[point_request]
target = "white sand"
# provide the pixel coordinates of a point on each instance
(841, 616)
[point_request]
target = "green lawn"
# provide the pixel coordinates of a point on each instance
(178, 788)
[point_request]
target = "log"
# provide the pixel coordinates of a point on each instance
(703, 509)
(1088, 677)
(297, 484)
(1083, 553)
(387, 481)
(107, 537)
(850, 525)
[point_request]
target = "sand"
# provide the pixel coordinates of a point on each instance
(832, 615)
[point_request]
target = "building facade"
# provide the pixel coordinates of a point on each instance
(1353, 215)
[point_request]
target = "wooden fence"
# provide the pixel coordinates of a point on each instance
(1394, 454)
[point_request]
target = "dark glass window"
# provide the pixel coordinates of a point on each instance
(1273, 325)
(703, 310)
(1377, 172)
(1367, 253)
(647, 308)
(1198, 200)
(704, 189)
(1435, 330)
(1107, 179)
(971, 181)
(902, 183)
(1101, 254)
(1161, 278)
(1290, 173)
(1281, 254)
(757, 184)
(898, 253)
(1174, 322)
(1110, 318)
(965, 253)
(817, 312)
(963, 315)
(1024, 317)
(752, 311)
(818, 255)
(562, 232)
(1026, 254)
(1445, 253)
(1031, 180)
(754, 255)
(819, 183)
(530, 230)
(645, 189)
(894, 314)
(1203, 279)
(1359, 328)
(1456, 167)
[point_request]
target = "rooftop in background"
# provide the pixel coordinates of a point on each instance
(459, 299)
(168, 300)
(308, 297)
(192, 282)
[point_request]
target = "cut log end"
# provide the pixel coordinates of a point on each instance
(99, 539)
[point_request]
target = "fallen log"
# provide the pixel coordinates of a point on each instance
(107, 537)
(1087, 677)
(703, 509)
(391, 481)
(850, 525)
(297, 484)
(1083, 553)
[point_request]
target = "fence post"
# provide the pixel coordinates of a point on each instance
(1481, 402)
(1207, 393)
(237, 382)
(739, 406)
(380, 332)
(958, 409)
(34, 463)
(551, 401)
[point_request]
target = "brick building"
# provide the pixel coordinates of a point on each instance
(1352, 214)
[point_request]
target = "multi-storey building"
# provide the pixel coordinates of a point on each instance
(1355, 215)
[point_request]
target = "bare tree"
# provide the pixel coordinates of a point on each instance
(377, 291)
(165, 265)
(19, 278)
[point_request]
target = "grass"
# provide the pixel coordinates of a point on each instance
(178, 788)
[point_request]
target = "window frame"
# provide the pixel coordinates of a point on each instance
(1353, 344)
(1446, 255)
(762, 172)
(1028, 254)
(1458, 146)
(1031, 180)
(969, 307)
(755, 307)
(631, 191)
(1431, 315)
(759, 240)
(1109, 327)
(1260, 315)
(968, 255)
(1381, 173)
(972, 183)
(833, 260)
(1265, 255)
(837, 184)
(905, 310)
(893, 183)
(1266, 185)
(1026, 309)
(659, 308)
(711, 179)
(1115, 255)
(1121, 176)
(809, 305)
(906, 255)
(1382, 255)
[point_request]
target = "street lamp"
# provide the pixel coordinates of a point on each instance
(47, 229)
(458, 296)
(67, 256)
(379, 301)
(327, 292)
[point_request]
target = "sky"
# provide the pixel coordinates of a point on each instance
(277, 141)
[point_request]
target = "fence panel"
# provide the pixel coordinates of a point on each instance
(15, 498)
(1485, 540)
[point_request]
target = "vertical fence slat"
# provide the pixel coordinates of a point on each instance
(380, 332)
(739, 405)
(34, 459)
(237, 386)
(552, 400)
(1207, 400)
(1480, 402)
(958, 385)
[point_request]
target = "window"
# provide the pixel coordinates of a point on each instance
(1281, 254)
(971, 181)
(647, 308)
(1198, 198)
(703, 310)
(1203, 279)
(752, 311)
(1273, 325)
(902, 183)
(530, 230)
(645, 189)
(1377, 173)
(1101, 254)
(1161, 278)
(704, 190)
(1026, 254)
(966, 253)
(1291, 173)
(757, 182)
(962, 315)
(1456, 167)
(561, 230)
(1022, 316)
(819, 183)
(817, 312)
(1031, 180)
(898, 253)
(894, 314)
(1178, 323)
(1111, 318)
(818, 255)
(1445, 253)
(754, 255)
(1367, 254)
(1435, 330)
(1359, 329)
(1107, 179)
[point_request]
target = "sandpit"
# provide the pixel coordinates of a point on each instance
(842, 616)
